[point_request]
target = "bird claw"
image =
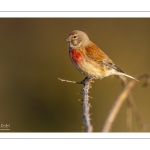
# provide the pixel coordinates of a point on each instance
(87, 79)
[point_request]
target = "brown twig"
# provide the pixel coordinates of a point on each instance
(86, 105)
(119, 101)
(129, 112)
(129, 105)
(132, 108)
(63, 80)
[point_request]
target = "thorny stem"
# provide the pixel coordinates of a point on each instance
(86, 105)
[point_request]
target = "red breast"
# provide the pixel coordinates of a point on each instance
(76, 56)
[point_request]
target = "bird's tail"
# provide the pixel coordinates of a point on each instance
(126, 75)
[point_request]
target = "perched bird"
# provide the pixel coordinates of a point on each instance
(89, 59)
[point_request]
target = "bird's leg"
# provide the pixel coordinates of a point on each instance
(87, 79)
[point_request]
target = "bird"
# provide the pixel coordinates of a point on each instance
(89, 59)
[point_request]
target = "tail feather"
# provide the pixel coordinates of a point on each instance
(117, 70)
(126, 75)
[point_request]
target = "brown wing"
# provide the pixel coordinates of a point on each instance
(95, 53)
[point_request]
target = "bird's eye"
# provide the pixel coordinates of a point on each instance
(74, 37)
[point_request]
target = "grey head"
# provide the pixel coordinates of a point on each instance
(77, 39)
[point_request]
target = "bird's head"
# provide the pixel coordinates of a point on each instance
(77, 39)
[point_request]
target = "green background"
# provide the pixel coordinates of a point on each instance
(33, 53)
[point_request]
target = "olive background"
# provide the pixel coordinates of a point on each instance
(33, 54)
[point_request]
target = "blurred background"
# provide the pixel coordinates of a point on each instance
(33, 54)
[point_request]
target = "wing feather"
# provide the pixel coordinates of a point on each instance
(95, 53)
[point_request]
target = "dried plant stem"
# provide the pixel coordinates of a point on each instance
(119, 101)
(129, 105)
(86, 105)
(132, 108)
(136, 112)
(129, 113)
(63, 80)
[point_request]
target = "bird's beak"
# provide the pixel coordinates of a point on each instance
(67, 39)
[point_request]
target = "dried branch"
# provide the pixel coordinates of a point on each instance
(130, 104)
(63, 80)
(86, 105)
(138, 117)
(129, 112)
(119, 101)
(132, 108)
